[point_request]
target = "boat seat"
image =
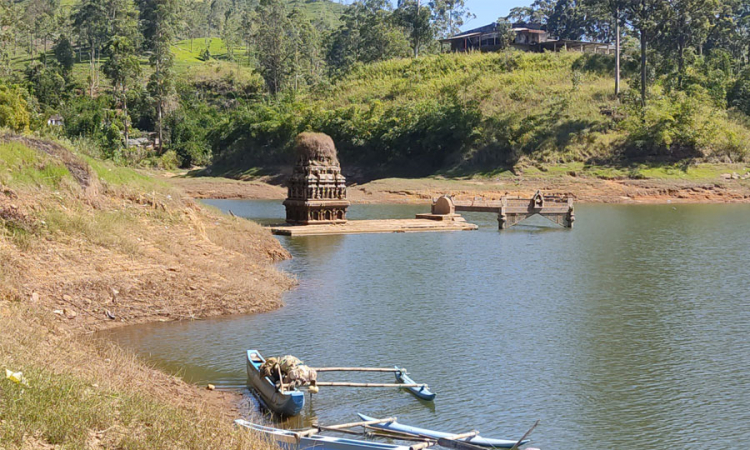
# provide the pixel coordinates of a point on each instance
(256, 358)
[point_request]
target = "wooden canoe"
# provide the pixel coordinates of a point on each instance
(421, 391)
(474, 440)
(283, 403)
(289, 440)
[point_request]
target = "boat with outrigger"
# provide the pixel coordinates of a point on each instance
(281, 382)
(387, 428)
(284, 402)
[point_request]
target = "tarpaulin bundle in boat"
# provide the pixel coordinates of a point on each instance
(294, 372)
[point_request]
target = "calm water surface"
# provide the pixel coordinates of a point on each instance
(630, 331)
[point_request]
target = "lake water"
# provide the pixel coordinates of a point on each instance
(629, 331)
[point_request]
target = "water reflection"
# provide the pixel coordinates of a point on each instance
(628, 331)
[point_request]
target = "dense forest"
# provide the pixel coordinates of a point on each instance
(230, 82)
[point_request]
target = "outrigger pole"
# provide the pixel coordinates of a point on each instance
(358, 369)
(346, 384)
(447, 441)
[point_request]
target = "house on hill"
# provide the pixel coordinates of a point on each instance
(56, 120)
(530, 37)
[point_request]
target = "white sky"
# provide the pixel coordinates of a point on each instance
(487, 11)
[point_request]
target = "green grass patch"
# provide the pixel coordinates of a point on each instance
(120, 176)
(691, 172)
(23, 166)
(109, 229)
(56, 409)
(71, 412)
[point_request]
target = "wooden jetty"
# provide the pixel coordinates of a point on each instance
(374, 226)
(512, 210)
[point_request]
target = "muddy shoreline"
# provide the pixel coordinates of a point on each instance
(583, 190)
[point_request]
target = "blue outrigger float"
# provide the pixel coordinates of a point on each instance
(284, 403)
(423, 432)
(290, 440)
(422, 391)
(386, 428)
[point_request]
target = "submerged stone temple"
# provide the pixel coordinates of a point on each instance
(316, 190)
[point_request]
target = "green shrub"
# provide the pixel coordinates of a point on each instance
(595, 63)
(683, 126)
(169, 160)
(14, 113)
(739, 95)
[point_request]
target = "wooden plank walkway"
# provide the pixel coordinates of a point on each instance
(479, 205)
(512, 210)
(374, 226)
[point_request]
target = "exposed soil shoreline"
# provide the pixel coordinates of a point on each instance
(92, 247)
(583, 190)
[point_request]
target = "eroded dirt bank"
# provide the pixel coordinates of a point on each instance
(584, 190)
(86, 246)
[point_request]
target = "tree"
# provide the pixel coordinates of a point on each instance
(415, 19)
(539, 12)
(7, 35)
(122, 68)
(273, 44)
(90, 21)
(569, 20)
(370, 33)
(248, 25)
(230, 34)
(685, 24)
(159, 19)
(730, 30)
(305, 45)
(505, 35)
(449, 15)
(739, 95)
(196, 20)
(614, 9)
(64, 55)
(39, 17)
(47, 84)
(217, 15)
(13, 110)
(643, 16)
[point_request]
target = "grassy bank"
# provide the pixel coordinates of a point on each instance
(481, 114)
(85, 245)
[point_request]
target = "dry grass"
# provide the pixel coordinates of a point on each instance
(71, 259)
(87, 394)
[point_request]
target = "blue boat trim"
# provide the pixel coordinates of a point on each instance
(289, 403)
(476, 440)
(420, 392)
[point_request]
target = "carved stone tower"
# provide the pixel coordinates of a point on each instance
(317, 190)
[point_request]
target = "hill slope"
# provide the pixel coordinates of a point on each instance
(483, 112)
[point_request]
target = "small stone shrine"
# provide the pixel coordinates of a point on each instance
(317, 190)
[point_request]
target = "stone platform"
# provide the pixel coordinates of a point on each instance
(374, 226)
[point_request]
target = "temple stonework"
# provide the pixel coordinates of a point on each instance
(317, 190)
